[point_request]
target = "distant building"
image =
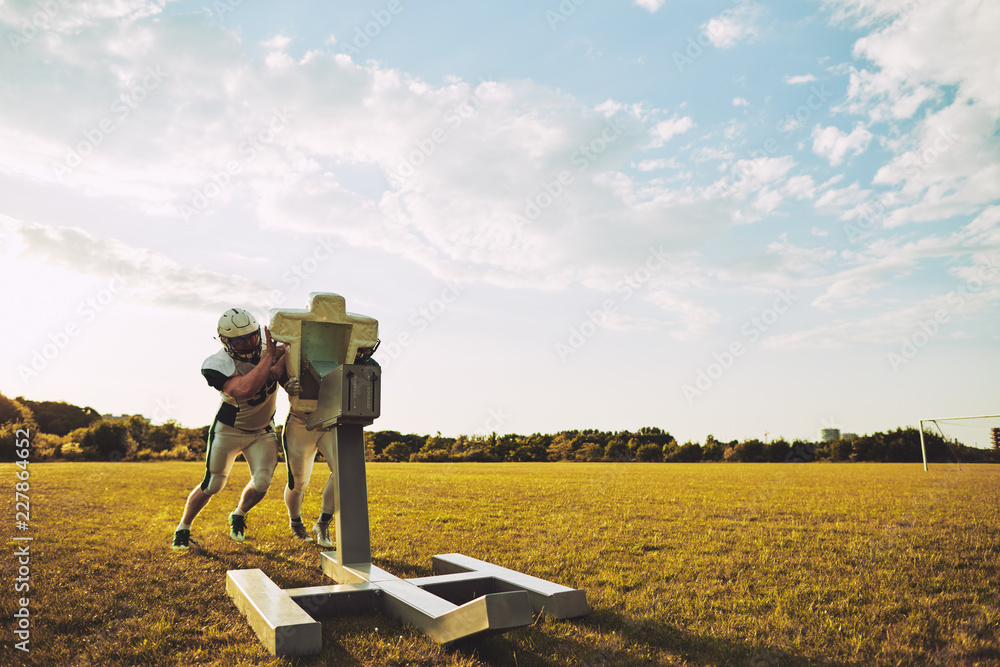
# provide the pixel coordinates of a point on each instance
(849, 436)
(829, 434)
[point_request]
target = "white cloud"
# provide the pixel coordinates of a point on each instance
(840, 198)
(333, 161)
(800, 187)
(759, 182)
(767, 200)
(971, 252)
(949, 165)
(279, 42)
(708, 153)
(834, 145)
(691, 320)
(734, 129)
(800, 260)
(733, 26)
(799, 79)
(336, 165)
(653, 165)
(321, 146)
(893, 325)
(925, 75)
(667, 129)
(622, 322)
(27, 18)
(740, 102)
(150, 278)
(755, 173)
(650, 6)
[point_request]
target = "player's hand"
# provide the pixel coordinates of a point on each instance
(271, 346)
(293, 386)
(279, 353)
(277, 370)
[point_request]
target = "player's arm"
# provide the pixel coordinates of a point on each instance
(246, 386)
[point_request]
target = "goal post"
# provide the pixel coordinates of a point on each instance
(976, 432)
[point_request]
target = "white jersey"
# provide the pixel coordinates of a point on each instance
(251, 414)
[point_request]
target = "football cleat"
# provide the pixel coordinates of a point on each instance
(237, 527)
(182, 539)
(299, 531)
(321, 530)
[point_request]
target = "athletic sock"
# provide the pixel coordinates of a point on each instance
(297, 519)
(239, 512)
(182, 526)
(325, 518)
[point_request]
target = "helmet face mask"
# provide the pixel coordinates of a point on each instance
(244, 348)
(239, 334)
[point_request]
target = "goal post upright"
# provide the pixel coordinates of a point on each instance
(923, 448)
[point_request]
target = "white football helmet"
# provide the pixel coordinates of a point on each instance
(239, 334)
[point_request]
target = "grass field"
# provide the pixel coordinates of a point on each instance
(683, 564)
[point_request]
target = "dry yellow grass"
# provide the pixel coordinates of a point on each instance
(683, 564)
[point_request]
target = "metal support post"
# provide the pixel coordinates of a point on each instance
(330, 349)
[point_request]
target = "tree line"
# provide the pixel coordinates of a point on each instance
(653, 445)
(65, 432)
(60, 431)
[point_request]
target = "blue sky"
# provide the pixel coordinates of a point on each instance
(727, 218)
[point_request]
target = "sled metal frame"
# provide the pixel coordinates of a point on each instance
(465, 597)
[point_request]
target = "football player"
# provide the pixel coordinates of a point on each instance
(246, 371)
(300, 446)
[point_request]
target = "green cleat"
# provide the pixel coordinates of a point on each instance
(182, 539)
(237, 527)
